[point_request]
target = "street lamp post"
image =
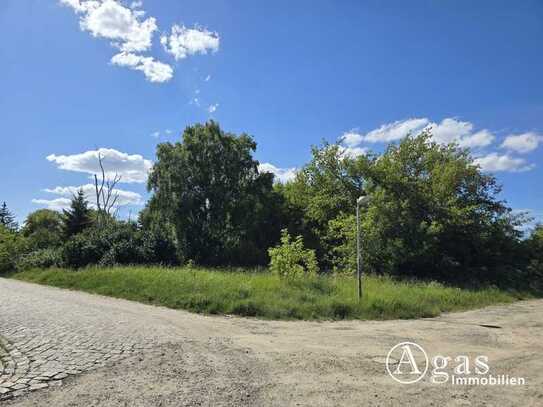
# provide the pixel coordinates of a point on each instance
(360, 201)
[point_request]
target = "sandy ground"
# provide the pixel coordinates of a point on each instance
(230, 361)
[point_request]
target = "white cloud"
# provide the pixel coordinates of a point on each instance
(522, 143)
(281, 174)
(184, 41)
(55, 204)
(352, 152)
(130, 32)
(132, 168)
(155, 134)
(494, 162)
(110, 19)
(452, 130)
(154, 71)
(125, 197)
(124, 26)
(396, 131)
(352, 138)
(66, 193)
(212, 108)
(448, 131)
(207, 78)
(482, 138)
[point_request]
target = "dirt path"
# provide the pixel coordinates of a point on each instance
(124, 353)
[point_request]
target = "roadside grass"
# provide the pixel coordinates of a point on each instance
(260, 294)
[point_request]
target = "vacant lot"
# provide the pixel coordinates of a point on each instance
(263, 295)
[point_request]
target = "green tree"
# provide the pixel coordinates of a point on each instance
(78, 217)
(43, 229)
(323, 191)
(431, 214)
(12, 246)
(534, 255)
(7, 219)
(291, 258)
(208, 186)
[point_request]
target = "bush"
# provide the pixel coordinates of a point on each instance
(120, 243)
(42, 258)
(12, 246)
(291, 259)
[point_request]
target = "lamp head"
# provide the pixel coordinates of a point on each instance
(364, 199)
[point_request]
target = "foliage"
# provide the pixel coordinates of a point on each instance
(534, 250)
(43, 229)
(119, 243)
(78, 217)
(432, 213)
(323, 191)
(12, 246)
(40, 258)
(291, 259)
(7, 219)
(208, 186)
(267, 296)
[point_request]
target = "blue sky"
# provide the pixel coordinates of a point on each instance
(80, 75)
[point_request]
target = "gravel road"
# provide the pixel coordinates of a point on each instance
(66, 348)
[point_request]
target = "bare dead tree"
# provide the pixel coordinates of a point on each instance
(106, 196)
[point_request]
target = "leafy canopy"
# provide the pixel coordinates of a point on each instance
(78, 217)
(431, 214)
(208, 186)
(7, 219)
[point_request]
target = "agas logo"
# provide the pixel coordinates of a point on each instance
(407, 362)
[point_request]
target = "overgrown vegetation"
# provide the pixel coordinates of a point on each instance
(258, 294)
(431, 215)
(291, 260)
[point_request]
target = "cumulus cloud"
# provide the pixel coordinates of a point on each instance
(396, 130)
(131, 168)
(57, 204)
(132, 34)
(281, 174)
(522, 143)
(65, 194)
(351, 138)
(212, 108)
(154, 71)
(183, 41)
(495, 162)
(127, 31)
(453, 130)
(448, 131)
(111, 20)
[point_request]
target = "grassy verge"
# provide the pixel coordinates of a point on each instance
(266, 296)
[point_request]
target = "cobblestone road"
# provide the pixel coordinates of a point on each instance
(43, 341)
(166, 357)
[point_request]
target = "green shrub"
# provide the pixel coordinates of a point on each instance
(291, 259)
(120, 243)
(41, 258)
(12, 246)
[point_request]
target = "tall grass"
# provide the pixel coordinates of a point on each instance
(263, 295)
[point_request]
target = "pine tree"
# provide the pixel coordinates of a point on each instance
(7, 219)
(78, 217)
